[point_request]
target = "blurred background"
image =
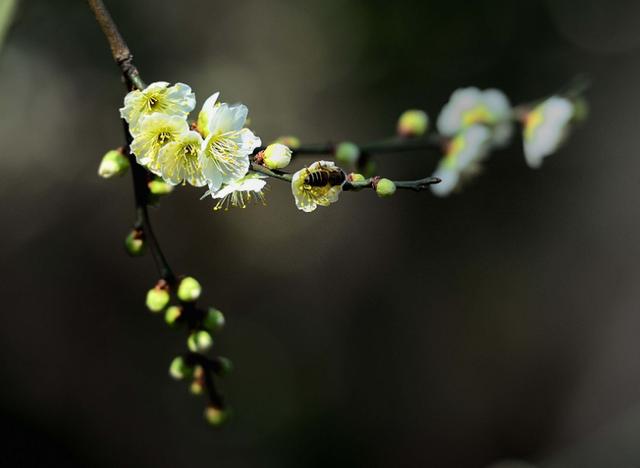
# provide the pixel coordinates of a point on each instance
(498, 324)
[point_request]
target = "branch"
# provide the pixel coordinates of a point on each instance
(392, 145)
(124, 59)
(119, 49)
(415, 185)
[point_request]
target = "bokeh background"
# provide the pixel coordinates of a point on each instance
(498, 324)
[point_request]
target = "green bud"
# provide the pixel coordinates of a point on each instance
(189, 289)
(213, 320)
(355, 177)
(215, 416)
(276, 156)
(199, 341)
(226, 366)
(580, 109)
(113, 163)
(159, 187)
(179, 369)
(172, 315)
(385, 188)
(413, 123)
(157, 299)
(370, 168)
(134, 243)
(196, 387)
(290, 141)
(347, 154)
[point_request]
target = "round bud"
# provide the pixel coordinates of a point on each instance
(199, 341)
(225, 365)
(172, 314)
(179, 369)
(159, 187)
(215, 416)
(157, 299)
(355, 177)
(277, 156)
(134, 243)
(290, 141)
(370, 168)
(347, 154)
(413, 123)
(189, 289)
(113, 163)
(580, 109)
(213, 320)
(385, 188)
(196, 387)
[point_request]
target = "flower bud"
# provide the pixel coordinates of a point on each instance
(179, 369)
(580, 109)
(114, 163)
(159, 187)
(134, 243)
(215, 416)
(213, 320)
(347, 154)
(385, 188)
(370, 168)
(276, 156)
(413, 123)
(199, 341)
(196, 387)
(225, 366)
(157, 298)
(355, 177)
(290, 141)
(189, 289)
(172, 315)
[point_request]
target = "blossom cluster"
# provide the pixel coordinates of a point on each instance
(476, 121)
(213, 151)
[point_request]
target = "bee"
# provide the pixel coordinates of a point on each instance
(325, 175)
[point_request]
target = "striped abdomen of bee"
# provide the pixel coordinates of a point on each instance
(323, 177)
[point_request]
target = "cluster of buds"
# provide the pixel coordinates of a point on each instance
(193, 366)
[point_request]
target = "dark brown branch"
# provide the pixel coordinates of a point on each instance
(119, 49)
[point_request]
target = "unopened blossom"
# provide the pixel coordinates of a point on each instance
(239, 193)
(153, 133)
(277, 156)
(178, 161)
(158, 97)
(462, 159)
(545, 129)
(318, 184)
(227, 146)
(470, 106)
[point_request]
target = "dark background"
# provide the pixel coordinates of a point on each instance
(501, 323)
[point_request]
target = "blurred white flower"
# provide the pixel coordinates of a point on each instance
(545, 129)
(239, 193)
(462, 159)
(318, 184)
(227, 146)
(152, 134)
(178, 161)
(469, 106)
(158, 97)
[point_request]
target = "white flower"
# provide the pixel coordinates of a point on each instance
(153, 133)
(178, 161)
(469, 106)
(463, 159)
(318, 184)
(277, 156)
(227, 146)
(545, 129)
(158, 97)
(240, 192)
